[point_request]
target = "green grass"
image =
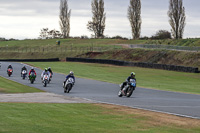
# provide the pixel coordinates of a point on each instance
(84, 118)
(148, 78)
(96, 42)
(64, 42)
(8, 86)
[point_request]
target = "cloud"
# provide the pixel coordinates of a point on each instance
(25, 18)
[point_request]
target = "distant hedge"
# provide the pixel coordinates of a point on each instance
(137, 64)
(31, 60)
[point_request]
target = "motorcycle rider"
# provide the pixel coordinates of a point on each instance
(32, 70)
(70, 75)
(128, 80)
(23, 68)
(9, 67)
(45, 72)
(49, 69)
(51, 72)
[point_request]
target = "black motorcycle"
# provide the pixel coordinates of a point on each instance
(128, 89)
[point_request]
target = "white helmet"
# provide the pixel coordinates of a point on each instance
(71, 73)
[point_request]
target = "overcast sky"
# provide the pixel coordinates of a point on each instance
(22, 19)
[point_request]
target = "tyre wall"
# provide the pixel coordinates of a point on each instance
(31, 60)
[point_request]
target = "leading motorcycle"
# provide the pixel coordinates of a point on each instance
(67, 85)
(128, 89)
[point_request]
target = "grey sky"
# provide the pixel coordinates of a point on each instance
(24, 18)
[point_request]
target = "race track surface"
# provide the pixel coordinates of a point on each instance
(187, 105)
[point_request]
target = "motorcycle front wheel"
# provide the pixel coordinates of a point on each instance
(69, 87)
(130, 91)
(120, 94)
(45, 83)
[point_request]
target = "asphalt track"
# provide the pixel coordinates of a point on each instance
(186, 105)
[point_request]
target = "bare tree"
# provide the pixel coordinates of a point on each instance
(44, 33)
(65, 14)
(177, 18)
(97, 25)
(54, 34)
(134, 16)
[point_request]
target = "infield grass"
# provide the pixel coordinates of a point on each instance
(148, 78)
(84, 118)
(8, 86)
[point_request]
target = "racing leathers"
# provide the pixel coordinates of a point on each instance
(45, 73)
(69, 76)
(31, 72)
(9, 67)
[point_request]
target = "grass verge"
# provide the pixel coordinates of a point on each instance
(148, 78)
(61, 118)
(8, 86)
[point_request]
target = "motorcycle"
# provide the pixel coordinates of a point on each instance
(32, 77)
(9, 72)
(128, 89)
(45, 80)
(67, 85)
(24, 73)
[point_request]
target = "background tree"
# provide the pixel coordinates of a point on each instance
(65, 14)
(97, 25)
(134, 16)
(44, 33)
(54, 34)
(177, 18)
(162, 34)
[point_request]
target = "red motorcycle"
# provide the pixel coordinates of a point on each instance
(9, 71)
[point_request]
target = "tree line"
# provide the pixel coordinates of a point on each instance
(176, 14)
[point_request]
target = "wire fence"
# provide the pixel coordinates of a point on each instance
(168, 47)
(86, 49)
(56, 49)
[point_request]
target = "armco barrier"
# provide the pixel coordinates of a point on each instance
(136, 64)
(31, 60)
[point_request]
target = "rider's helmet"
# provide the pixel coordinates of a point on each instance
(32, 68)
(49, 67)
(132, 74)
(71, 73)
(45, 69)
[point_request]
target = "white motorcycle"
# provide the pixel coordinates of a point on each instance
(24, 73)
(45, 80)
(67, 85)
